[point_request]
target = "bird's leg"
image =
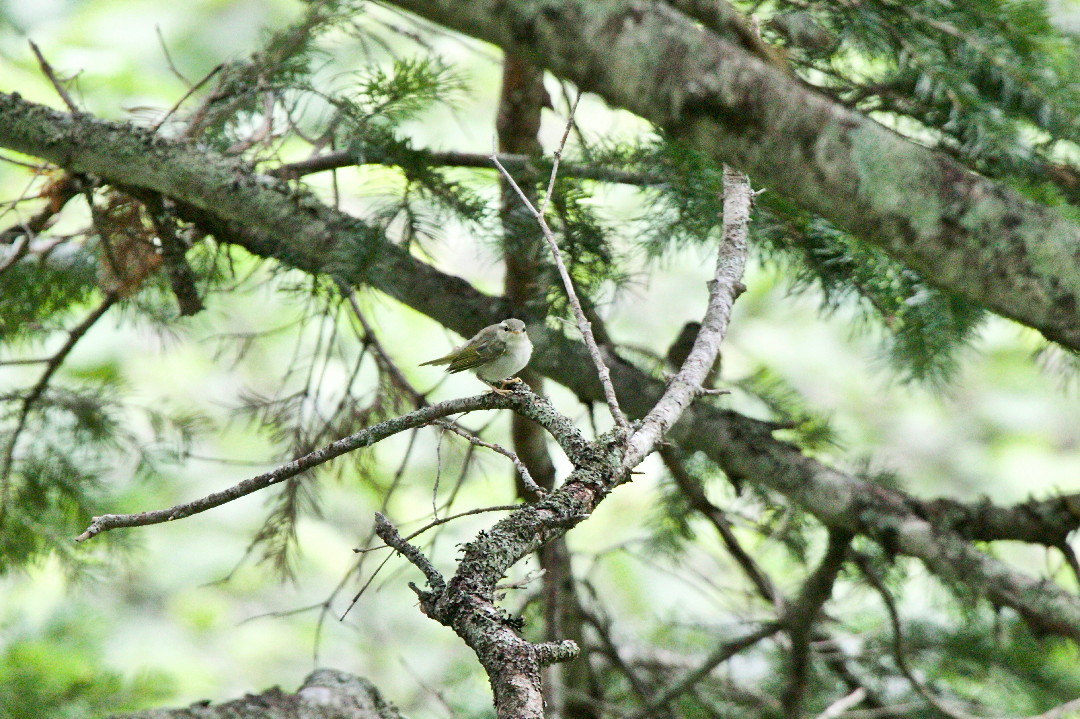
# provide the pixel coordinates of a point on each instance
(499, 390)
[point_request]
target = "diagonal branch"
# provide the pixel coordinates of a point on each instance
(721, 654)
(53, 364)
(523, 471)
(724, 289)
(389, 534)
(527, 403)
(802, 614)
(583, 323)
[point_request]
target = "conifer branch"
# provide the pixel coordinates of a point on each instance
(515, 163)
(1019, 258)
(53, 364)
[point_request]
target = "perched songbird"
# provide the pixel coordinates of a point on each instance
(496, 353)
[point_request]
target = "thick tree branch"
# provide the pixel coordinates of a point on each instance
(325, 694)
(962, 232)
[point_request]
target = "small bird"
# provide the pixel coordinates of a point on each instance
(496, 353)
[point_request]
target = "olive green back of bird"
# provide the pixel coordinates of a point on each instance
(471, 355)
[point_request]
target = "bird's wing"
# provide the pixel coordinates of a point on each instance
(475, 355)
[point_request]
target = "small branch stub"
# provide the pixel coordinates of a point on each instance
(389, 534)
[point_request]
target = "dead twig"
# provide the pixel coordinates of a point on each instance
(583, 324)
(48, 70)
(363, 438)
(523, 471)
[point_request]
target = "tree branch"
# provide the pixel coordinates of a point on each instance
(719, 655)
(529, 404)
(802, 614)
(962, 232)
(583, 323)
(515, 163)
(389, 534)
(724, 289)
(53, 364)
(325, 694)
(523, 471)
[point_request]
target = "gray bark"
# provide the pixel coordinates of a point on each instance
(325, 694)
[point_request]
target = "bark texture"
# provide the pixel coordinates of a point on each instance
(325, 694)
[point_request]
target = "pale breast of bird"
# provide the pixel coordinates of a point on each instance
(513, 360)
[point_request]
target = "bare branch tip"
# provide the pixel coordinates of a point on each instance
(555, 652)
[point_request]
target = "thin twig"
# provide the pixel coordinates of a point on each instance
(382, 358)
(183, 98)
(452, 158)
(1070, 559)
(37, 165)
(523, 471)
(557, 156)
(47, 69)
(168, 57)
(842, 704)
(58, 192)
(22, 246)
(898, 644)
(443, 520)
(363, 438)
(720, 655)
(36, 360)
(582, 322)
(693, 492)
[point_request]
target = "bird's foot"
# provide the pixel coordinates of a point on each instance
(502, 388)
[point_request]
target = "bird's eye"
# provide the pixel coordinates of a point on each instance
(505, 327)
